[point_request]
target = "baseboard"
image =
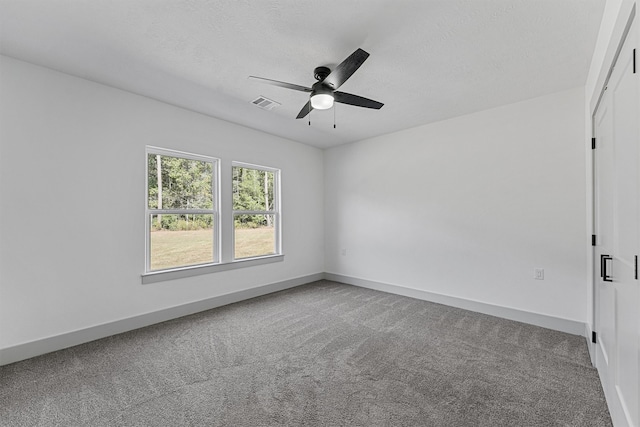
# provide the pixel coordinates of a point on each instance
(550, 322)
(70, 339)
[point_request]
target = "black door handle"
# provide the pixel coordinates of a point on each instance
(603, 268)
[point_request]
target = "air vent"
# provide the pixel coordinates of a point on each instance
(265, 103)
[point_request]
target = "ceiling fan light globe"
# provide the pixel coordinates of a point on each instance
(322, 101)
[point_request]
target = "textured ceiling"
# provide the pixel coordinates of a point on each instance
(430, 60)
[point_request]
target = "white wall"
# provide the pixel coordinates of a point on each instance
(72, 202)
(468, 207)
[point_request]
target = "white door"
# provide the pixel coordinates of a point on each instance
(617, 219)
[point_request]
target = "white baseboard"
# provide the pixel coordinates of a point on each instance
(70, 339)
(550, 322)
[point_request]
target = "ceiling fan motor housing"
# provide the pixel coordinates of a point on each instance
(321, 73)
(319, 87)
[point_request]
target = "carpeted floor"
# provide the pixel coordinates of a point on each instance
(323, 354)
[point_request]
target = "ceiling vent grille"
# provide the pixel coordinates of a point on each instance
(265, 103)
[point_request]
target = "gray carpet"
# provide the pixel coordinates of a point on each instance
(323, 354)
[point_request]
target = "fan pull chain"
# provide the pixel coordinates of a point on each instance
(334, 116)
(309, 113)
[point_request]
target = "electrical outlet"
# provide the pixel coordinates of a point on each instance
(538, 273)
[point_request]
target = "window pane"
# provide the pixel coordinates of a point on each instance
(254, 235)
(252, 189)
(176, 183)
(181, 240)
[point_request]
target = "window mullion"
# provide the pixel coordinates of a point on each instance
(181, 211)
(255, 212)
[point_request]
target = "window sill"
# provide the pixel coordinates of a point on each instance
(197, 270)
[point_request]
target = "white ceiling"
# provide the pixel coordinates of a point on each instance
(430, 60)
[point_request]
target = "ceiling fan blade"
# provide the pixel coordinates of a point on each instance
(305, 110)
(345, 69)
(281, 84)
(358, 101)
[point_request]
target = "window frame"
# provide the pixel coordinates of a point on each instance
(215, 211)
(276, 212)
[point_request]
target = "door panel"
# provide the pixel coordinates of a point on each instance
(625, 133)
(605, 294)
(617, 218)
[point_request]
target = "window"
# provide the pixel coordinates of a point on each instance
(190, 232)
(181, 210)
(256, 211)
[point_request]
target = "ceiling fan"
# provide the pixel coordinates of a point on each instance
(323, 93)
